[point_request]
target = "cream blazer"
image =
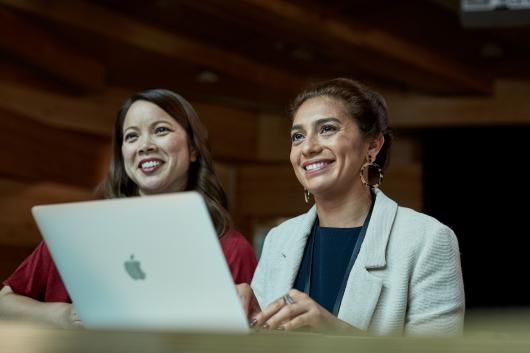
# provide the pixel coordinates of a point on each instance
(407, 279)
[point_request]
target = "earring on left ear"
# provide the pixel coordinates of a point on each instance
(307, 195)
(371, 170)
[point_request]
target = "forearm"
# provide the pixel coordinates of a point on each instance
(19, 307)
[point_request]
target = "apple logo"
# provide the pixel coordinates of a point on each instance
(132, 267)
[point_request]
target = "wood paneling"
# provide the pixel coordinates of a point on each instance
(17, 227)
(274, 137)
(269, 190)
(509, 105)
(11, 257)
(233, 133)
(35, 151)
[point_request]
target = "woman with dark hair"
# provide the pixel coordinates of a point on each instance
(356, 261)
(159, 146)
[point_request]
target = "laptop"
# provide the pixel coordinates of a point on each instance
(143, 263)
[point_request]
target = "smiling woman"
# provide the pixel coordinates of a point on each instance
(356, 262)
(159, 146)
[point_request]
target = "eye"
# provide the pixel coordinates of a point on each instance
(327, 129)
(130, 137)
(296, 137)
(161, 130)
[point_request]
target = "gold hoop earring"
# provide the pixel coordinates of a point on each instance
(307, 195)
(371, 169)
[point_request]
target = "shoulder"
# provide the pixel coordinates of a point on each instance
(411, 230)
(422, 231)
(239, 255)
(235, 243)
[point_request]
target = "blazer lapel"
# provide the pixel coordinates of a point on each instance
(292, 252)
(363, 288)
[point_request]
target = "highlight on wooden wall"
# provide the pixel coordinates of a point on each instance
(67, 66)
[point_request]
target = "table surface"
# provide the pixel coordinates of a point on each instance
(21, 337)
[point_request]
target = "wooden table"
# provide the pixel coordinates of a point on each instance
(18, 337)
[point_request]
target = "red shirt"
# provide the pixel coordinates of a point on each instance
(38, 278)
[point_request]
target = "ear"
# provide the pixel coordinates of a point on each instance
(193, 154)
(375, 145)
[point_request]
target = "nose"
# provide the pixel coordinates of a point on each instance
(311, 145)
(146, 145)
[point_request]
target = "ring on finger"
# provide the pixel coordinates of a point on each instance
(287, 299)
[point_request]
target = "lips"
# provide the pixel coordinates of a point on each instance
(150, 165)
(312, 167)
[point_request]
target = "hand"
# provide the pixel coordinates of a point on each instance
(304, 312)
(249, 302)
(63, 315)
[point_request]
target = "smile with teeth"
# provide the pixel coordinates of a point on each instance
(149, 166)
(316, 166)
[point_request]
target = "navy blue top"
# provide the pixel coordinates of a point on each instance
(332, 252)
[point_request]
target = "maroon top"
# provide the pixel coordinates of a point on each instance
(37, 276)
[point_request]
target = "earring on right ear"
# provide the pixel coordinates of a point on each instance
(369, 171)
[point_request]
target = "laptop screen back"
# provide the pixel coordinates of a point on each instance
(143, 263)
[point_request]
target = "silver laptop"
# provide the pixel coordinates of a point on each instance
(150, 263)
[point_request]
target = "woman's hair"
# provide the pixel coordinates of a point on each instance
(201, 175)
(366, 107)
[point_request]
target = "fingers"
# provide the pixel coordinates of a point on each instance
(300, 321)
(75, 321)
(249, 302)
(283, 309)
(270, 311)
(287, 313)
(77, 324)
(74, 316)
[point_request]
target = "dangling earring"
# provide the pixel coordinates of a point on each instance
(307, 195)
(378, 172)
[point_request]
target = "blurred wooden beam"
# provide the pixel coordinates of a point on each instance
(509, 105)
(320, 24)
(116, 26)
(86, 115)
(39, 47)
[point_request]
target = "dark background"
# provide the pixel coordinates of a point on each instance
(475, 181)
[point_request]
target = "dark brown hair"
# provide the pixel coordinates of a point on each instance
(201, 175)
(366, 107)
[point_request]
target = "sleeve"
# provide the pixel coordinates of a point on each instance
(437, 302)
(239, 255)
(31, 277)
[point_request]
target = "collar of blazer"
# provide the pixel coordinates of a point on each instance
(373, 250)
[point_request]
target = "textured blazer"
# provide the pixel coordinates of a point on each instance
(407, 278)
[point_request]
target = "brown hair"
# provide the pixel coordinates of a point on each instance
(366, 107)
(201, 175)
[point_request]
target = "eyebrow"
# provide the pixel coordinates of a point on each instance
(151, 125)
(316, 123)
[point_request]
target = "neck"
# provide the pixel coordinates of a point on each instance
(346, 211)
